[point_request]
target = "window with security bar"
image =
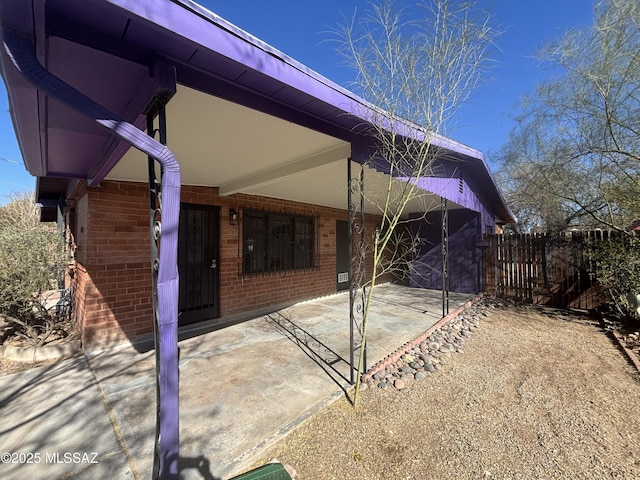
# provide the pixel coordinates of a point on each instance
(274, 242)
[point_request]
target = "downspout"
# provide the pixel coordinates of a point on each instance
(21, 51)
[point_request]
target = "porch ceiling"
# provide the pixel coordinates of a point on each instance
(240, 150)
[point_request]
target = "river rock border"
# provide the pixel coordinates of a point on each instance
(614, 330)
(631, 356)
(422, 356)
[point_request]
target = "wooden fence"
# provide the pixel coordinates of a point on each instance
(541, 269)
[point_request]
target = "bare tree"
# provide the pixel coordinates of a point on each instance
(20, 211)
(575, 155)
(415, 63)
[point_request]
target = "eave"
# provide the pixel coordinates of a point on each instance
(146, 49)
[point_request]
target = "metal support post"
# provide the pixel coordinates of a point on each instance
(445, 256)
(351, 272)
(356, 268)
(363, 269)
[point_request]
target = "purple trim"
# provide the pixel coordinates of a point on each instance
(209, 54)
(449, 188)
(208, 33)
(21, 52)
(161, 84)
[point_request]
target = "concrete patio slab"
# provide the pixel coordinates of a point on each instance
(242, 388)
(55, 425)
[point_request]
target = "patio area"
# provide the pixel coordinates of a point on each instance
(244, 386)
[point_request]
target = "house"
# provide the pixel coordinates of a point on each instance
(255, 172)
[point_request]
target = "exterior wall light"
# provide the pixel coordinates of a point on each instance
(234, 216)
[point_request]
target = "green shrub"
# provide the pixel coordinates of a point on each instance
(615, 265)
(32, 262)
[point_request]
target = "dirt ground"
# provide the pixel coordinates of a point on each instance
(537, 394)
(8, 367)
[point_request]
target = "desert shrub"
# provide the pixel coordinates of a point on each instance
(615, 265)
(32, 262)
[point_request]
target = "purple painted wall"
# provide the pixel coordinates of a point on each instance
(465, 258)
(458, 190)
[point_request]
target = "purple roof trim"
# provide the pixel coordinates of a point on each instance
(247, 50)
(209, 54)
(256, 42)
(450, 189)
(161, 86)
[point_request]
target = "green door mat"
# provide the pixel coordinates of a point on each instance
(271, 471)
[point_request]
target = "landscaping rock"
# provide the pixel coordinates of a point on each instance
(426, 358)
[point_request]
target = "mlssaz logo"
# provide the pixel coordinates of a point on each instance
(72, 457)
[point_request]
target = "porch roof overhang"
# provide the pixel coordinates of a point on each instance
(126, 54)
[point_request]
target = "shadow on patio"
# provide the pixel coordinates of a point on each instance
(243, 387)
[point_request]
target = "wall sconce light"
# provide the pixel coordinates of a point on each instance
(234, 216)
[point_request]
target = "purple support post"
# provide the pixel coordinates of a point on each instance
(21, 50)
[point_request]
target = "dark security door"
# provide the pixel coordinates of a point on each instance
(342, 254)
(198, 251)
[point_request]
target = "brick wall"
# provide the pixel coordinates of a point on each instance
(112, 280)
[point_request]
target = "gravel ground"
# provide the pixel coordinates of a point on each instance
(537, 394)
(8, 367)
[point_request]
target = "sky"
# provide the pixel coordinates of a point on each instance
(302, 30)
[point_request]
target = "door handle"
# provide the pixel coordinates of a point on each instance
(214, 263)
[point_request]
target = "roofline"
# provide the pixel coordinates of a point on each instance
(264, 60)
(416, 132)
(409, 128)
